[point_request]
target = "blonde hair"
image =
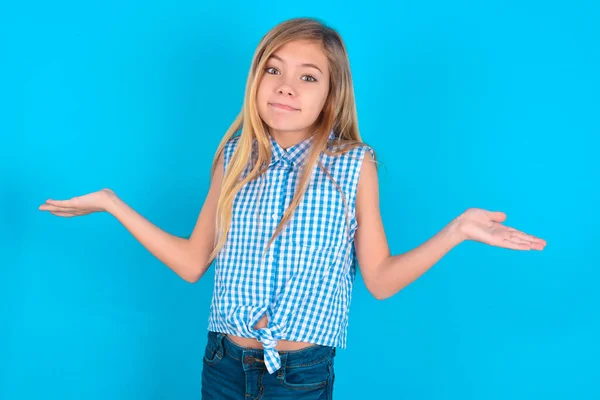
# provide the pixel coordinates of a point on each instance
(338, 115)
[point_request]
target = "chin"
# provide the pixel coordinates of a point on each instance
(280, 128)
(283, 122)
(282, 125)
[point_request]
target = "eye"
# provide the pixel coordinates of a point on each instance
(274, 71)
(310, 78)
(271, 70)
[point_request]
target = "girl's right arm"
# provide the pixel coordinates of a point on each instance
(188, 258)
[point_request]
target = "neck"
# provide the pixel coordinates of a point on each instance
(287, 139)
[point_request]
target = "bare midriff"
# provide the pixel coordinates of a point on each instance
(282, 345)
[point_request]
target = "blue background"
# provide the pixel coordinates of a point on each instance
(468, 105)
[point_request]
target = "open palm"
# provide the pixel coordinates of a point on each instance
(80, 205)
(484, 226)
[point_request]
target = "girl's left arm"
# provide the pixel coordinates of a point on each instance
(384, 275)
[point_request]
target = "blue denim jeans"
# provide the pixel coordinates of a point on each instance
(231, 372)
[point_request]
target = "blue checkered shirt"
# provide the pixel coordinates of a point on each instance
(304, 282)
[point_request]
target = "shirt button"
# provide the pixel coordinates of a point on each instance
(271, 259)
(249, 360)
(274, 216)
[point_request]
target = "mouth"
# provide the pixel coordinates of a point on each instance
(283, 107)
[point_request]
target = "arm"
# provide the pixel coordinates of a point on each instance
(187, 258)
(385, 275)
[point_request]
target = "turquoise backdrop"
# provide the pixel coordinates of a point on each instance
(468, 104)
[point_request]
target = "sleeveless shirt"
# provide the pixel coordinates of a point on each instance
(304, 281)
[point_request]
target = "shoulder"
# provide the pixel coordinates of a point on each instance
(350, 152)
(347, 160)
(229, 147)
(368, 185)
(365, 153)
(232, 142)
(368, 163)
(362, 158)
(367, 194)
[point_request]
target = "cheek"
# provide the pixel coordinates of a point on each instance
(260, 92)
(261, 98)
(317, 102)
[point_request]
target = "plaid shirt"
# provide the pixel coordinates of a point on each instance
(304, 282)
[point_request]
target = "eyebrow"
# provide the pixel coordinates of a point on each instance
(275, 56)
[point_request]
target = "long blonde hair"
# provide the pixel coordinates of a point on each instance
(338, 115)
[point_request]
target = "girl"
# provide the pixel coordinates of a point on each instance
(291, 211)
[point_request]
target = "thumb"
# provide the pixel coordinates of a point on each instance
(497, 216)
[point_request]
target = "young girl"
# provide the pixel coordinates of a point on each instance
(291, 211)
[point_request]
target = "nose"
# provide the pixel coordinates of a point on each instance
(286, 90)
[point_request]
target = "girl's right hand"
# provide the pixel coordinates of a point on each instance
(81, 205)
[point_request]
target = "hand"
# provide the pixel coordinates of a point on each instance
(484, 226)
(82, 205)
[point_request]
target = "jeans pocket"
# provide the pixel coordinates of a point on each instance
(213, 352)
(308, 376)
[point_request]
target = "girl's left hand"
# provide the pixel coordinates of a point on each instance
(484, 226)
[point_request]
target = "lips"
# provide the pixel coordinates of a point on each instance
(283, 107)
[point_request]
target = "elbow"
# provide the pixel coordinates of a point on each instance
(378, 292)
(377, 281)
(381, 290)
(385, 292)
(192, 277)
(194, 273)
(380, 295)
(381, 287)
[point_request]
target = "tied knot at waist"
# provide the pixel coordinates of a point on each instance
(267, 338)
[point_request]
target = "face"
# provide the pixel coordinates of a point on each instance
(293, 89)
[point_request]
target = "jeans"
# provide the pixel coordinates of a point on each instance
(232, 372)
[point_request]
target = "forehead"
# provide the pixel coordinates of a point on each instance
(302, 51)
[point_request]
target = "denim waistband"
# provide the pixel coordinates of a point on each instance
(290, 358)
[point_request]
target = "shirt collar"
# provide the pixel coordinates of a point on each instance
(296, 154)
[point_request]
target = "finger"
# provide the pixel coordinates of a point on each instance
(509, 244)
(538, 240)
(530, 244)
(521, 241)
(62, 214)
(537, 244)
(46, 207)
(60, 203)
(521, 234)
(525, 236)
